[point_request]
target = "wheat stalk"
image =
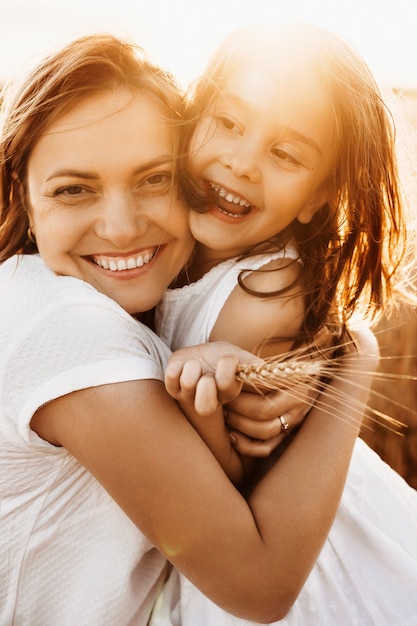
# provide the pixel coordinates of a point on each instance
(298, 375)
(276, 375)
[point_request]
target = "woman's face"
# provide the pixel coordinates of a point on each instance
(265, 148)
(101, 201)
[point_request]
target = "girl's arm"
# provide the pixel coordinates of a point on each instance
(201, 396)
(248, 321)
(250, 557)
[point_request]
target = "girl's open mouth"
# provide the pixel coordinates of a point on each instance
(230, 204)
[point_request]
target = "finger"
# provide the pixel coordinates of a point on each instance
(206, 400)
(172, 377)
(264, 407)
(190, 376)
(268, 406)
(262, 430)
(225, 376)
(253, 447)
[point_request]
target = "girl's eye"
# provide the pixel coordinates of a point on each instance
(284, 156)
(226, 123)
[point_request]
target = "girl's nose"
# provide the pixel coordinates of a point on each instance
(243, 161)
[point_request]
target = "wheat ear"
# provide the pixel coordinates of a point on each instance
(275, 375)
(294, 374)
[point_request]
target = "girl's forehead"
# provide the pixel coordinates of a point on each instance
(276, 81)
(280, 94)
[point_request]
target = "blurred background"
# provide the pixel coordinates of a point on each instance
(180, 35)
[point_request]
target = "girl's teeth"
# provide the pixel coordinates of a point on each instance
(229, 197)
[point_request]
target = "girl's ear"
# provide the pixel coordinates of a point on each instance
(317, 201)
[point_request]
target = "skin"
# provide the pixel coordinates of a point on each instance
(88, 209)
(151, 460)
(267, 148)
(270, 145)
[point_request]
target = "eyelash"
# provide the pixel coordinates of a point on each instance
(67, 190)
(225, 122)
(156, 180)
(282, 155)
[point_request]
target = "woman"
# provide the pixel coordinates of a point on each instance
(98, 464)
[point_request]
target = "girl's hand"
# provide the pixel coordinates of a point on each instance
(202, 379)
(205, 375)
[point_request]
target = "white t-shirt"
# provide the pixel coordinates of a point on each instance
(68, 554)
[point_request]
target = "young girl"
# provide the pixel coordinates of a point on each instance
(293, 157)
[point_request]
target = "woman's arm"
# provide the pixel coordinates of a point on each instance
(136, 442)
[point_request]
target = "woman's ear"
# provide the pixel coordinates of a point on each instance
(20, 190)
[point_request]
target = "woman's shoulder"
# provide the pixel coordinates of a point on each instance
(27, 283)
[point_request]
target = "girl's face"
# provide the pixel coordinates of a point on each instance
(265, 148)
(101, 201)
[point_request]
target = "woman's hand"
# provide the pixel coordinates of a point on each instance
(260, 423)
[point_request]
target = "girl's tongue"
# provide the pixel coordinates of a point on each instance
(229, 203)
(231, 208)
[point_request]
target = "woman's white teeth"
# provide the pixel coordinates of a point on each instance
(122, 264)
(229, 197)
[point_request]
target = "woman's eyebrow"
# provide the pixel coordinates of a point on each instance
(73, 173)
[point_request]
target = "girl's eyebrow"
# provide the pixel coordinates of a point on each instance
(149, 165)
(292, 132)
(305, 139)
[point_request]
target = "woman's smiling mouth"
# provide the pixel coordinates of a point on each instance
(130, 262)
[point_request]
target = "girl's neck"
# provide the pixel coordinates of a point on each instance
(203, 260)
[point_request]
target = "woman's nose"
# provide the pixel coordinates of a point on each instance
(121, 221)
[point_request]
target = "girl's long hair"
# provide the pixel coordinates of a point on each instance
(354, 247)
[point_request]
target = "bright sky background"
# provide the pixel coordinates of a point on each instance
(180, 34)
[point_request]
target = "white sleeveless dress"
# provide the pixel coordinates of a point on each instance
(366, 573)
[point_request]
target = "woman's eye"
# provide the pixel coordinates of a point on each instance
(72, 190)
(157, 179)
(155, 184)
